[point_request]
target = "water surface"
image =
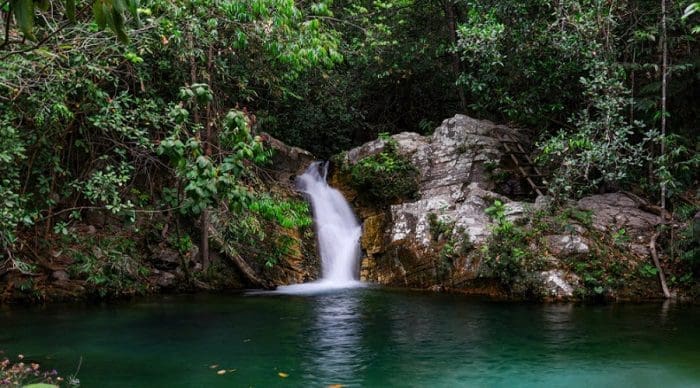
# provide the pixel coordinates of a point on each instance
(359, 337)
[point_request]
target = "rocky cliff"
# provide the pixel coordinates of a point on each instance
(443, 236)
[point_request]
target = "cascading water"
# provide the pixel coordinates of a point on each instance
(337, 230)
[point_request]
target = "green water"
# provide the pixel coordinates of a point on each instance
(360, 337)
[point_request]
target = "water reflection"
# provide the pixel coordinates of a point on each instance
(558, 324)
(334, 349)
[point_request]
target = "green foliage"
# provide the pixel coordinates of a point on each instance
(648, 271)
(507, 253)
(103, 187)
(687, 245)
(288, 214)
(183, 243)
(386, 176)
(620, 237)
(264, 231)
(113, 267)
(453, 243)
(600, 275)
(439, 229)
(106, 13)
(208, 179)
(12, 203)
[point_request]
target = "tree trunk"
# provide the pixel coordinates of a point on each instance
(664, 71)
(657, 263)
(456, 67)
(238, 261)
(204, 243)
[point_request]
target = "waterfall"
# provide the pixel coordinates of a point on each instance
(337, 230)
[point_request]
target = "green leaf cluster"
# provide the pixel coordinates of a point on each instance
(386, 176)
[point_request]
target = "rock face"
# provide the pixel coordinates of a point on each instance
(620, 213)
(287, 162)
(456, 187)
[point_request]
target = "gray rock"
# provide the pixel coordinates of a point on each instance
(567, 245)
(166, 258)
(543, 202)
(453, 185)
(559, 284)
(456, 187)
(615, 211)
(60, 275)
(287, 161)
(166, 279)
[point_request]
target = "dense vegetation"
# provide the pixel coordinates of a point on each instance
(149, 113)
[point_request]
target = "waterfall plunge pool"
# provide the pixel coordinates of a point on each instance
(367, 336)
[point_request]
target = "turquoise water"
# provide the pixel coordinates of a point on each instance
(360, 337)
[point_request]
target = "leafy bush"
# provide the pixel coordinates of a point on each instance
(386, 176)
(113, 267)
(508, 255)
(263, 232)
(688, 241)
(453, 243)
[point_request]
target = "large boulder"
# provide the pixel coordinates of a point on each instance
(454, 187)
(621, 214)
(287, 161)
(432, 240)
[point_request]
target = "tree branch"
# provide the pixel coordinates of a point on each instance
(44, 39)
(655, 256)
(7, 27)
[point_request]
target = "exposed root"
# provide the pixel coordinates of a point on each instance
(655, 256)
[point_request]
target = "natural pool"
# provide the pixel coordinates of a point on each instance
(359, 337)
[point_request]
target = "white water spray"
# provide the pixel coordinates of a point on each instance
(337, 230)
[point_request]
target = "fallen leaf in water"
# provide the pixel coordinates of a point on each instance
(214, 366)
(221, 372)
(283, 375)
(335, 386)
